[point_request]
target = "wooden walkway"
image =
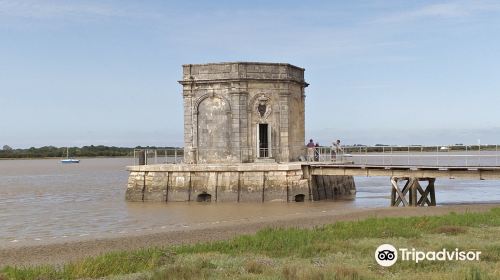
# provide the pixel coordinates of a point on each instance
(410, 185)
(453, 172)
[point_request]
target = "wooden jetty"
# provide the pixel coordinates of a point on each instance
(406, 180)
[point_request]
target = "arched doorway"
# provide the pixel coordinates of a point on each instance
(204, 197)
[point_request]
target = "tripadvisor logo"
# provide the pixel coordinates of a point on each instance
(386, 255)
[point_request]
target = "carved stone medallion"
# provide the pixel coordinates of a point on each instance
(262, 107)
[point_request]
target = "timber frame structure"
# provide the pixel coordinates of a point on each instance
(417, 196)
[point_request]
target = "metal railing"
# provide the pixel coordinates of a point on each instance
(158, 156)
(325, 154)
(413, 155)
(176, 155)
(264, 153)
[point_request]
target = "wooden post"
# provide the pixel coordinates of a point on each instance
(400, 194)
(427, 195)
(393, 196)
(432, 191)
(413, 192)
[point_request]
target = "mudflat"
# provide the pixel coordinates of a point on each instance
(58, 253)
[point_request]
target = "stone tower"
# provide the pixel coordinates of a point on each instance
(243, 112)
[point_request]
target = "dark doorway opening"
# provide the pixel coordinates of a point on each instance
(300, 198)
(204, 197)
(263, 140)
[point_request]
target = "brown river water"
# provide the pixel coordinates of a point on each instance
(44, 201)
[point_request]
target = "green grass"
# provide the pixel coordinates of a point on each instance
(343, 250)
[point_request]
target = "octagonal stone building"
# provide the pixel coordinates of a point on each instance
(239, 112)
(243, 138)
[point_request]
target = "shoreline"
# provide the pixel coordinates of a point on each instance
(58, 253)
(86, 157)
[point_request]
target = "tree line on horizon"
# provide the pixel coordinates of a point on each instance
(85, 151)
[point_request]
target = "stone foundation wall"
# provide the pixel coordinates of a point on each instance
(274, 182)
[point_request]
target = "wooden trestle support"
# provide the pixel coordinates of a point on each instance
(417, 196)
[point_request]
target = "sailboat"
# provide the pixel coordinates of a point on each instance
(69, 160)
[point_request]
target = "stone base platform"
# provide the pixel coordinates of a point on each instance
(243, 182)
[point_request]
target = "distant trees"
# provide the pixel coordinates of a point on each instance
(58, 152)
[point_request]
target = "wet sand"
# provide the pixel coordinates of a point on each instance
(57, 253)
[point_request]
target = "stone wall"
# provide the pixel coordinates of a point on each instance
(233, 183)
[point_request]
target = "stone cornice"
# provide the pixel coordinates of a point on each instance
(245, 63)
(214, 81)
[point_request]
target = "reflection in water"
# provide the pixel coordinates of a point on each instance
(43, 199)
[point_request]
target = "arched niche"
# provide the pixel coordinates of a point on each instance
(213, 127)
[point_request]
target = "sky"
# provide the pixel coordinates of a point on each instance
(76, 73)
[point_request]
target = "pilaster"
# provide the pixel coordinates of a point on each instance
(284, 119)
(189, 146)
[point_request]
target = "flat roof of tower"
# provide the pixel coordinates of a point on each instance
(246, 62)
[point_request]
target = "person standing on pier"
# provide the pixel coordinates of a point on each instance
(310, 150)
(337, 147)
(333, 152)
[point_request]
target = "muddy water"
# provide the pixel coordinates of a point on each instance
(44, 201)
